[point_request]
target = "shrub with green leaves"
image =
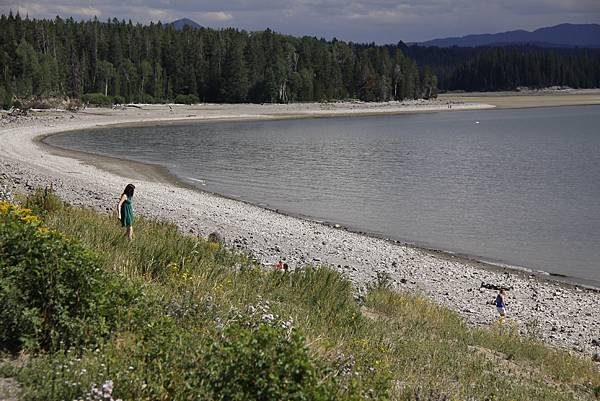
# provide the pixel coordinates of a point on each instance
(119, 100)
(97, 99)
(187, 99)
(244, 356)
(6, 101)
(148, 99)
(43, 201)
(262, 359)
(52, 291)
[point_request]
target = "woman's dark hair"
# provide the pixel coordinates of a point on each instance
(129, 190)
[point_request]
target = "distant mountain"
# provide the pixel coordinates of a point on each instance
(563, 35)
(183, 22)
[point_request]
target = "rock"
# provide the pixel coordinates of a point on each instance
(596, 343)
(495, 287)
(596, 357)
(215, 237)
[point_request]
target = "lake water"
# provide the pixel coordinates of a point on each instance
(515, 186)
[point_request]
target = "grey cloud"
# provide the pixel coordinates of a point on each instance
(357, 20)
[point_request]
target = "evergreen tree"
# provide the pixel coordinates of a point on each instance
(155, 62)
(234, 79)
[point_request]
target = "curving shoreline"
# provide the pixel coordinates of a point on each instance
(563, 315)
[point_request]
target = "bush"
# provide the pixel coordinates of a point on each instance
(52, 290)
(6, 101)
(73, 105)
(42, 103)
(148, 99)
(97, 99)
(242, 357)
(43, 201)
(187, 99)
(119, 100)
(264, 360)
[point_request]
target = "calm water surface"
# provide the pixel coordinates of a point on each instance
(516, 186)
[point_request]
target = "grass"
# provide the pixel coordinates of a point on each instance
(396, 346)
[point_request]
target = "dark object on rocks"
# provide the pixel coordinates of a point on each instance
(16, 112)
(495, 287)
(596, 343)
(215, 237)
(359, 298)
(596, 357)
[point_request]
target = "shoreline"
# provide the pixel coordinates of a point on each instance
(158, 173)
(161, 174)
(411, 268)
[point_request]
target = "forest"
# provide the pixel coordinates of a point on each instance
(120, 61)
(508, 67)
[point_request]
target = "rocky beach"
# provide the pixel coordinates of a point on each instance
(560, 314)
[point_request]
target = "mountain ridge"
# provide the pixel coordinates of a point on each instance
(181, 23)
(562, 35)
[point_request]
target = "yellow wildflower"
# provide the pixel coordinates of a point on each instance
(30, 219)
(5, 207)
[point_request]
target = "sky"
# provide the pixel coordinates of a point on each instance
(380, 21)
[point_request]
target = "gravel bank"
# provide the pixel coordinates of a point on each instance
(563, 315)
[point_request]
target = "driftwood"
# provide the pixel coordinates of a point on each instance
(495, 287)
(15, 112)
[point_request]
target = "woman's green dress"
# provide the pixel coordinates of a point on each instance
(127, 213)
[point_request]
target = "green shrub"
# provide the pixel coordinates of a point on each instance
(149, 99)
(187, 99)
(73, 104)
(242, 358)
(119, 100)
(43, 103)
(52, 291)
(6, 101)
(43, 201)
(262, 361)
(97, 99)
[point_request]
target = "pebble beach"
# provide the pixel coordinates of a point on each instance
(561, 314)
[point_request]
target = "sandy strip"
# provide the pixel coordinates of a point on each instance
(541, 98)
(563, 315)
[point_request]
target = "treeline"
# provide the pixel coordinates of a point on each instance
(156, 63)
(509, 67)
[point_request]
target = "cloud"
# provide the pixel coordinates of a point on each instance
(88, 12)
(357, 20)
(213, 16)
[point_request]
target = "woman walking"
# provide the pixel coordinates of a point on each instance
(500, 304)
(125, 210)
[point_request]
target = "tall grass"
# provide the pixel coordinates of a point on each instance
(398, 346)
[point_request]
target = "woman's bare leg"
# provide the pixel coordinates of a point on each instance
(129, 233)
